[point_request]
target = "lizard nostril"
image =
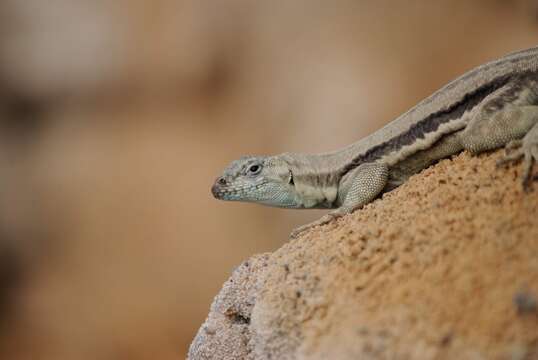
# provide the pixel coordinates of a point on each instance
(222, 181)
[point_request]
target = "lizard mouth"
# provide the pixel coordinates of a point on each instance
(217, 191)
(222, 191)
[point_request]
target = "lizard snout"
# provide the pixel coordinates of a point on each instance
(215, 189)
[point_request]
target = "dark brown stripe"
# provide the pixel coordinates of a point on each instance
(429, 124)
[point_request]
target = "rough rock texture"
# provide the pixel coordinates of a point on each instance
(444, 267)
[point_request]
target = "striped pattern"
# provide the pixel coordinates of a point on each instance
(444, 106)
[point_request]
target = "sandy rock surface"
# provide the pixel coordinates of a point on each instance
(444, 267)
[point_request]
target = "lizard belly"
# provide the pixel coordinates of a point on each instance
(446, 146)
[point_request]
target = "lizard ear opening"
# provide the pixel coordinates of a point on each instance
(290, 179)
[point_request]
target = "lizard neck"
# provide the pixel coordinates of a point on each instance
(315, 178)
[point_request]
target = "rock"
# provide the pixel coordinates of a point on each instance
(443, 267)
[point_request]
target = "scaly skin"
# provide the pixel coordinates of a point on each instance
(492, 106)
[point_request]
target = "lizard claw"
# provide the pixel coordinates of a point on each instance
(526, 149)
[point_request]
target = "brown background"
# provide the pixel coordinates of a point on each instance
(117, 116)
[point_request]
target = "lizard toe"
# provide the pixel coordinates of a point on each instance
(510, 157)
(297, 231)
(530, 158)
(527, 151)
(322, 221)
(513, 144)
(527, 170)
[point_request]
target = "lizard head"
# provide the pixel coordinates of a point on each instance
(259, 179)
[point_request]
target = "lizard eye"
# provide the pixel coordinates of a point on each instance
(254, 169)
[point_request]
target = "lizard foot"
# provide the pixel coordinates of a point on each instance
(526, 149)
(325, 219)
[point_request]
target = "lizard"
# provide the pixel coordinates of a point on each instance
(492, 106)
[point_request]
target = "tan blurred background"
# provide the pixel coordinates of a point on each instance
(116, 117)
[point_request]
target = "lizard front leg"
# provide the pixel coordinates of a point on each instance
(356, 189)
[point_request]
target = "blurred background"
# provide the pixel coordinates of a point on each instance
(117, 116)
